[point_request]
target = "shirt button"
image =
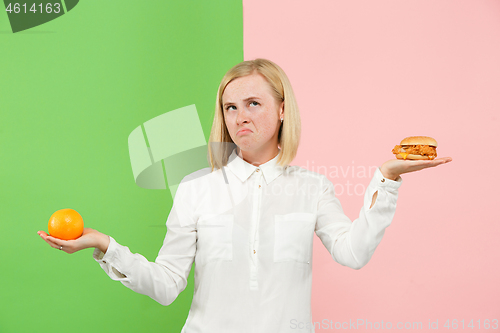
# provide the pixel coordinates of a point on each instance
(104, 261)
(254, 252)
(383, 180)
(257, 170)
(259, 186)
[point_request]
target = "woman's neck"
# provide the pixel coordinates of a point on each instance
(257, 157)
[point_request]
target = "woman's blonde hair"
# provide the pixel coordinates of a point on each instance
(289, 132)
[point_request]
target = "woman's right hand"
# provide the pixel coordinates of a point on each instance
(89, 238)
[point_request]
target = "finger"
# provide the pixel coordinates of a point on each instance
(417, 165)
(56, 242)
(53, 243)
(420, 164)
(423, 164)
(446, 159)
(47, 238)
(431, 164)
(68, 246)
(439, 161)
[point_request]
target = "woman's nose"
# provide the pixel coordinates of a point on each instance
(242, 116)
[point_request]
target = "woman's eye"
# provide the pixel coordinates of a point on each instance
(256, 103)
(229, 107)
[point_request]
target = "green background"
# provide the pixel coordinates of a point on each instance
(71, 91)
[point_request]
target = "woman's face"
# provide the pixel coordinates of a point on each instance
(248, 103)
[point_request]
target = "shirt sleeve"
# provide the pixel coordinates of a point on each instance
(352, 244)
(164, 279)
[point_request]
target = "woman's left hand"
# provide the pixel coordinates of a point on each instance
(393, 168)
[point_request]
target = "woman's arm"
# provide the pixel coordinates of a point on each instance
(165, 278)
(352, 243)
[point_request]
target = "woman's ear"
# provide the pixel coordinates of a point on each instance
(282, 109)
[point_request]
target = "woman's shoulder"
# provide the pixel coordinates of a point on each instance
(194, 184)
(198, 178)
(298, 171)
(198, 174)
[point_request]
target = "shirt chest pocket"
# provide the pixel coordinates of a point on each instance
(215, 238)
(293, 238)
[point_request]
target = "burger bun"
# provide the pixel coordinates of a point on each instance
(419, 140)
(413, 157)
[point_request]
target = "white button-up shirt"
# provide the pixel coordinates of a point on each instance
(249, 230)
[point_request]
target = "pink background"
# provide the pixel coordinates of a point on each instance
(367, 74)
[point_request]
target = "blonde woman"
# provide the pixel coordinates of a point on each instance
(248, 221)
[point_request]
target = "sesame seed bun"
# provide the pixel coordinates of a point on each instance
(419, 140)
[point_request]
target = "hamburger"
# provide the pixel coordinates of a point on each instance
(416, 148)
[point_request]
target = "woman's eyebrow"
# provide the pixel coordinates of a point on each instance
(245, 100)
(249, 98)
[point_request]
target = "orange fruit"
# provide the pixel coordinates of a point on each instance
(66, 224)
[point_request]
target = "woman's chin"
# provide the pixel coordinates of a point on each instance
(246, 145)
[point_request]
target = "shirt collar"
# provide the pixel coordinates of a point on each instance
(242, 169)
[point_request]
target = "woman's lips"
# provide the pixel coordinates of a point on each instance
(243, 131)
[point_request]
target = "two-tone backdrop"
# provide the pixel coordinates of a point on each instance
(366, 74)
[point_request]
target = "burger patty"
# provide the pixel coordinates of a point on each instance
(416, 150)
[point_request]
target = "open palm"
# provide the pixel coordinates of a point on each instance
(393, 168)
(89, 238)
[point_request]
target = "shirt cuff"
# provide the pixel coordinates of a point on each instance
(101, 257)
(379, 181)
(106, 260)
